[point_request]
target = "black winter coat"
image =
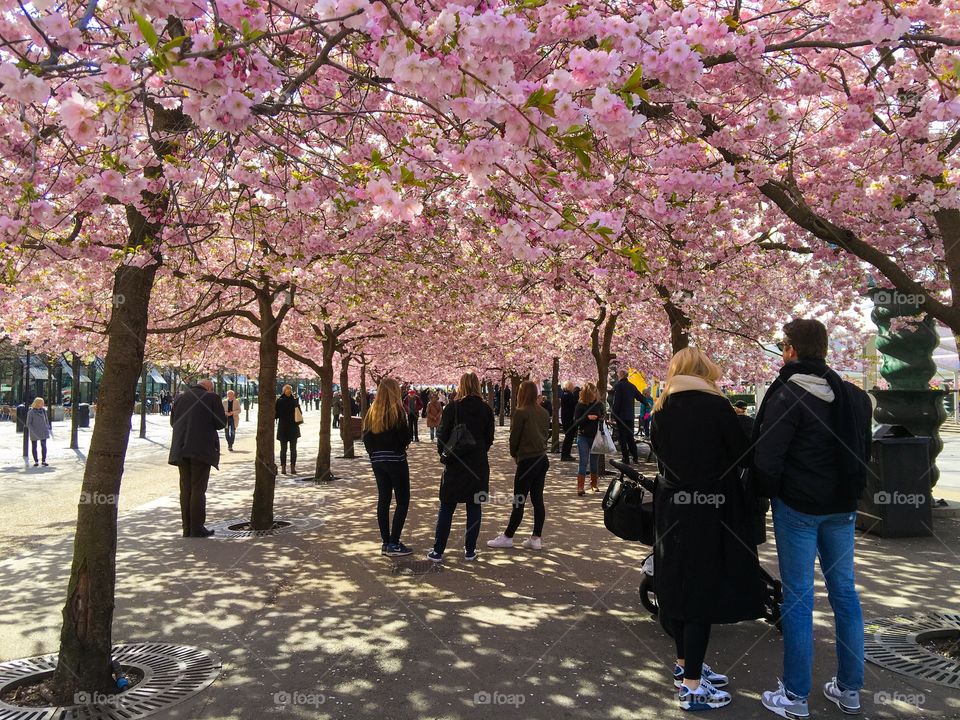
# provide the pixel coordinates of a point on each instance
(622, 408)
(287, 428)
(810, 452)
(197, 418)
(706, 567)
(584, 425)
(568, 405)
(466, 478)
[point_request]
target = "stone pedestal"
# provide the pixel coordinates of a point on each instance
(921, 412)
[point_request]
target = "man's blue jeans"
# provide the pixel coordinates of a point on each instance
(800, 539)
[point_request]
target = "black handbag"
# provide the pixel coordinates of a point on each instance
(461, 440)
(628, 511)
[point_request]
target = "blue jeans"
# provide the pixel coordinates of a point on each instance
(583, 450)
(800, 539)
(445, 520)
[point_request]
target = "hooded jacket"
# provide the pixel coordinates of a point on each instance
(812, 440)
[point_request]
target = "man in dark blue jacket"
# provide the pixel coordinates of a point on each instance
(811, 454)
(622, 409)
(197, 419)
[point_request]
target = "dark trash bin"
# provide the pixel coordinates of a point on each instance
(83, 415)
(21, 417)
(896, 501)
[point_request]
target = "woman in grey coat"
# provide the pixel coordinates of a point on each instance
(38, 425)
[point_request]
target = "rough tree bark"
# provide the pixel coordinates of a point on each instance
(86, 635)
(679, 322)
(265, 473)
(346, 428)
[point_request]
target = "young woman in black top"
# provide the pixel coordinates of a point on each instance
(586, 420)
(288, 430)
(386, 436)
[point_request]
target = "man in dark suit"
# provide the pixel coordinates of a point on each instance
(197, 419)
(622, 409)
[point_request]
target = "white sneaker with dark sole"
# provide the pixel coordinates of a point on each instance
(784, 704)
(847, 700)
(705, 697)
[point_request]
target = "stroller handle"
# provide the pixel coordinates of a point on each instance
(633, 475)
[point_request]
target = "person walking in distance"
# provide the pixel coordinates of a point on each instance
(622, 408)
(568, 407)
(288, 429)
(231, 408)
(413, 406)
(463, 441)
(197, 418)
(434, 413)
(38, 427)
(337, 407)
(811, 453)
(529, 429)
(386, 436)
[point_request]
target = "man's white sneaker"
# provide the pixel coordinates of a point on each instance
(785, 704)
(500, 541)
(533, 543)
(847, 700)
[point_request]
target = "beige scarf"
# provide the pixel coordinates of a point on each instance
(682, 383)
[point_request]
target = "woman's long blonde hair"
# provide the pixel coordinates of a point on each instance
(387, 409)
(469, 385)
(589, 394)
(689, 361)
(37, 403)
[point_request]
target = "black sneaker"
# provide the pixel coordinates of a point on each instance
(204, 533)
(397, 550)
(468, 555)
(383, 548)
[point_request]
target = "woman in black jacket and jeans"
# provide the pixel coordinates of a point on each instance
(466, 472)
(288, 429)
(386, 436)
(706, 567)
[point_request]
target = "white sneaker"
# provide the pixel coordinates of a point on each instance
(785, 704)
(533, 543)
(500, 541)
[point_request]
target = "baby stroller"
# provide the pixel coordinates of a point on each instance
(628, 514)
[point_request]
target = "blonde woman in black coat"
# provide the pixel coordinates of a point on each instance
(706, 562)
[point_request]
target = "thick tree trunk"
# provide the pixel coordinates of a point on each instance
(515, 381)
(678, 319)
(503, 398)
(363, 389)
(265, 475)
(555, 405)
(346, 434)
(86, 635)
(323, 470)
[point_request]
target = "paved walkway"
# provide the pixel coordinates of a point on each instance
(318, 625)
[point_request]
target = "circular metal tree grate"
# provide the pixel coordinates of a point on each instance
(415, 567)
(240, 527)
(894, 643)
(171, 674)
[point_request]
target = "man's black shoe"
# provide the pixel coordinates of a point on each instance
(567, 458)
(204, 533)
